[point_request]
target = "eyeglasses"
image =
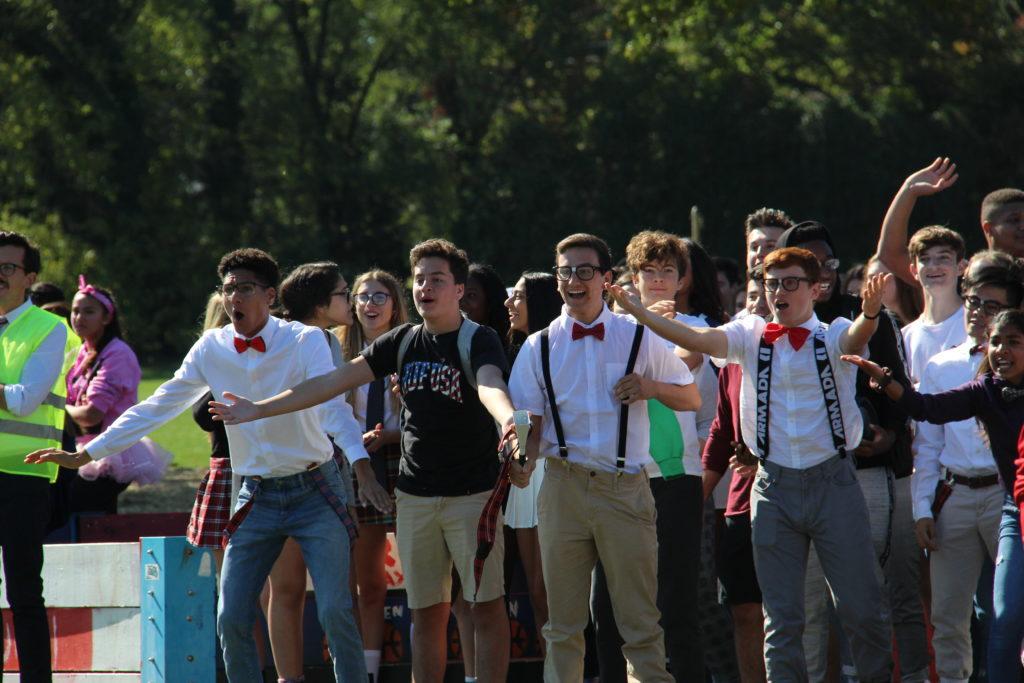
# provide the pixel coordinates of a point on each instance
(7, 269)
(830, 264)
(347, 294)
(377, 298)
(789, 284)
(584, 272)
(989, 306)
(243, 289)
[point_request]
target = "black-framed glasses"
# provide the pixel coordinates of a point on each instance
(830, 264)
(584, 271)
(243, 289)
(345, 293)
(377, 298)
(8, 269)
(988, 306)
(789, 284)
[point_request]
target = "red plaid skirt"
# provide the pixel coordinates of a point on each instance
(370, 514)
(212, 508)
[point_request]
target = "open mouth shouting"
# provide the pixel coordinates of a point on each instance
(576, 293)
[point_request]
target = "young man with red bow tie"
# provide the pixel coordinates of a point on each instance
(798, 414)
(291, 483)
(586, 380)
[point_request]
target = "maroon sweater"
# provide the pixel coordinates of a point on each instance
(724, 430)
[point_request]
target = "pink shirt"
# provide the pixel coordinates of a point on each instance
(111, 385)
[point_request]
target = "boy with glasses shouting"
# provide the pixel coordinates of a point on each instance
(291, 484)
(798, 415)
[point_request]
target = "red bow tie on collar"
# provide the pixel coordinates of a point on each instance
(256, 344)
(579, 332)
(797, 335)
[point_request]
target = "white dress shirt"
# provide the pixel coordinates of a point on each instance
(583, 373)
(41, 370)
(799, 433)
(273, 447)
(359, 397)
(961, 447)
(924, 341)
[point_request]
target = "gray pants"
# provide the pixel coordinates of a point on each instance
(790, 508)
(892, 533)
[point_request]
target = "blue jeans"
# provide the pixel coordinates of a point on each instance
(1007, 601)
(285, 507)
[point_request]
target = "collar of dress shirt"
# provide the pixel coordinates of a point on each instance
(13, 314)
(267, 332)
(568, 321)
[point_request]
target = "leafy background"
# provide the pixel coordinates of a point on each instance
(139, 140)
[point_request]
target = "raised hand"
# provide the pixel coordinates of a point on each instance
(63, 458)
(630, 303)
(939, 175)
(237, 411)
(872, 293)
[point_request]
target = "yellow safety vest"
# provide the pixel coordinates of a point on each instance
(43, 428)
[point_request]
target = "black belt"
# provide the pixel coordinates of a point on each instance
(973, 482)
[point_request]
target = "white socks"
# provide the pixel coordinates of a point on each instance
(372, 659)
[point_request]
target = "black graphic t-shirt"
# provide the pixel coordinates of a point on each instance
(449, 440)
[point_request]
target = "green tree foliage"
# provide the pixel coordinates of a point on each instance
(140, 140)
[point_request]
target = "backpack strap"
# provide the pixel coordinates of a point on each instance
(545, 364)
(620, 457)
(465, 344)
(403, 347)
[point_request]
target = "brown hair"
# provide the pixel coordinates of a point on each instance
(582, 240)
(654, 245)
(936, 236)
(457, 260)
(909, 299)
(997, 200)
(794, 256)
(767, 218)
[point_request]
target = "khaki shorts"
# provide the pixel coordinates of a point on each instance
(435, 532)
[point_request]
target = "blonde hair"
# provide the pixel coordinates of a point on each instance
(215, 317)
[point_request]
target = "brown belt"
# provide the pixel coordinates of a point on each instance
(973, 482)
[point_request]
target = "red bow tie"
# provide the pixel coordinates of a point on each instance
(579, 332)
(256, 344)
(797, 335)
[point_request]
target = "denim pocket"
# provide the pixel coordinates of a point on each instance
(844, 474)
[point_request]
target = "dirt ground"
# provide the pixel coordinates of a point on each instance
(174, 493)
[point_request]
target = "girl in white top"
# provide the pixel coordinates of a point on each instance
(533, 303)
(379, 306)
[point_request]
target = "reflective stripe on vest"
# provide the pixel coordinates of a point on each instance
(43, 428)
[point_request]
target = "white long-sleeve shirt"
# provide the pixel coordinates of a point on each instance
(958, 446)
(273, 447)
(41, 370)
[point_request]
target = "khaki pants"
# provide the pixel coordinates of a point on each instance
(967, 531)
(584, 515)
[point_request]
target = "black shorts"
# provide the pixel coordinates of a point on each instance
(736, 572)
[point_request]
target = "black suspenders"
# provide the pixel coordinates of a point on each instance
(545, 364)
(829, 391)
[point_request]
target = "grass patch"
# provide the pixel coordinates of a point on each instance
(181, 436)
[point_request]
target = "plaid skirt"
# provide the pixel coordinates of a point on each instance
(212, 509)
(370, 514)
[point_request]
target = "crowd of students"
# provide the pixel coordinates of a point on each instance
(722, 481)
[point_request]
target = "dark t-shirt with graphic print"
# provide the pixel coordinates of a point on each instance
(449, 440)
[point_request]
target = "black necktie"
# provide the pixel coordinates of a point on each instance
(375, 404)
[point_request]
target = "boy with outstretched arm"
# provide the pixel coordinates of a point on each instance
(798, 414)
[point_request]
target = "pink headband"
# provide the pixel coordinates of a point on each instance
(85, 288)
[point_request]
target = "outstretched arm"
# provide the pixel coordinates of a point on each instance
(892, 242)
(857, 335)
(237, 409)
(701, 340)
